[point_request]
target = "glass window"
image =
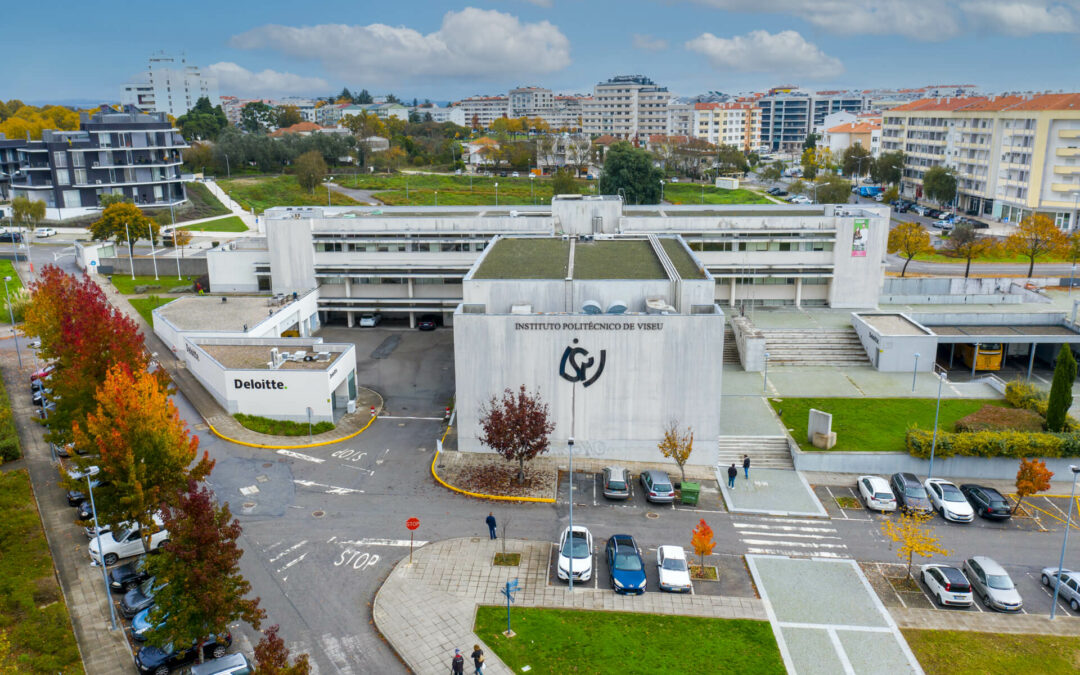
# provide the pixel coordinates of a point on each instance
(78, 159)
(60, 159)
(62, 177)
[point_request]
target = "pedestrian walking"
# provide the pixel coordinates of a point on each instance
(732, 474)
(457, 664)
(478, 659)
(490, 520)
(746, 466)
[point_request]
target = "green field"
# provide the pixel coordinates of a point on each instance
(689, 193)
(33, 616)
(126, 285)
(226, 224)
(874, 424)
(942, 258)
(7, 269)
(265, 192)
(457, 190)
(145, 306)
(948, 652)
(567, 641)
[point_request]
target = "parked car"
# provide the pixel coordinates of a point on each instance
(139, 598)
(162, 660)
(43, 411)
(125, 543)
(949, 501)
(781, 192)
(85, 510)
(370, 320)
(920, 209)
(626, 569)
(43, 232)
(76, 497)
(42, 373)
(40, 396)
(1070, 585)
(948, 585)
(772, 190)
(123, 578)
(91, 533)
(674, 572)
(876, 494)
(657, 487)
(993, 584)
(910, 494)
(427, 322)
(616, 482)
(11, 237)
(575, 554)
(987, 502)
(230, 664)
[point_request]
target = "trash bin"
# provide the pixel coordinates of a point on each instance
(690, 492)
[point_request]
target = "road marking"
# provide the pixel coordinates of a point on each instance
(300, 455)
(405, 417)
(797, 544)
(785, 528)
(789, 534)
(330, 489)
(840, 653)
(287, 551)
(381, 542)
(291, 563)
(835, 503)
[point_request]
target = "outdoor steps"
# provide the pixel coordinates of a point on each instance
(766, 452)
(731, 350)
(825, 347)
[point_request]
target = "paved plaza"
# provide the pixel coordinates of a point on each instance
(774, 492)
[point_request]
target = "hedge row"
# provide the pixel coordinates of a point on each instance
(9, 437)
(265, 425)
(1013, 444)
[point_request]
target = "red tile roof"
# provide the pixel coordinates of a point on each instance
(855, 128)
(301, 128)
(1019, 102)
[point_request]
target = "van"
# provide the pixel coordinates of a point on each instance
(230, 664)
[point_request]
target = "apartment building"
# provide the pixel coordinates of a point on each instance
(789, 115)
(130, 153)
(864, 131)
(170, 85)
(568, 111)
(481, 111)
(736, 123)
(9, 163)
(1013, 155)
(627, 106)
(680, 117)
(531, 102)
(440, 115)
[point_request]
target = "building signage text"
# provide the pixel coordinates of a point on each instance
(258, 384)
(590, 325)
(191, 350)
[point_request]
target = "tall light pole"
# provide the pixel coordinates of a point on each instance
(937, 414)
(436, 198)
(570, 449)
(532, 193)
(153, 253)
(914, 371)
(1068, 524)
(131, 258)
(11, 315)
(661, 190)
(328, 179)
(496, 194)
(177, 257)
(101, 553)
(228, 171)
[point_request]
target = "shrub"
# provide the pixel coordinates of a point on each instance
(1015, 444)
(9, 437)
(998, 418)
(1020, 394)
(265, 425)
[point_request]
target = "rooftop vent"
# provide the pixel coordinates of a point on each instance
(521, 309)
(617, 307)
(591, 307)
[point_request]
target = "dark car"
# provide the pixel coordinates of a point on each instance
(125, 577)
(77, 497)
(39, 396)
(11, 237)
(781, 193)
(934, 213)
(161, 660)
(773, 191)
(85, 510)
(138, 598)
(987, 502)
(910, 494)
(626, 569)
(427, 322)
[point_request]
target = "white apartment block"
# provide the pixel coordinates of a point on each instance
(531, 102)
(440, 115)
(680, 117)
(736, 123)
(627, 106)
(1013, 155)
(481, 111)
(170, 85)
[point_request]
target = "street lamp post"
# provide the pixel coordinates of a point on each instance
(436, 198)
(153, 253)
(914, 371)
(11, 315)
(101, 553)
(532, 193)
(937, 414)
(328, 179)
(661, 190)
(228, 171)
(131, 258)
(496, 194)
(1068, 524)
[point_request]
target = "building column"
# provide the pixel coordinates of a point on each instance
(412, 290)
(733, 280)
(349, 318)
(348, 287)
(412, 319)
(798, 291)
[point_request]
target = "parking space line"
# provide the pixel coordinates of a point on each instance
(1050, 593)
(1060, 520)
(835, 503)
(784, 528)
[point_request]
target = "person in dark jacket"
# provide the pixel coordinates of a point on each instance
(746, 466)
(457, 664)
(478, 659)
(732, 474)
(490, 520)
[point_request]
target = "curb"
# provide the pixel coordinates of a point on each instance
(292, 447)
(480, 495)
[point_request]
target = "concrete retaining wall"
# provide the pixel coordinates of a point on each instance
(166, 267)
(751, 344)
(948, 290)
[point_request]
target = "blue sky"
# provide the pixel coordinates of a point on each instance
(448, 50)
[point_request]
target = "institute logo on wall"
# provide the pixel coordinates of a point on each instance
(576, 364)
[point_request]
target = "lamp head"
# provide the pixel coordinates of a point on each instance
(570, 441)
(1075, 469)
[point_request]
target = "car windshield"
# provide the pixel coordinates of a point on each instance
(915, 493)
(616, 485)
(576, 547)
(627, 562)
(951, 494)
(675, 564)
(1001, 582)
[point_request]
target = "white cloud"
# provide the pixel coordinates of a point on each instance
(1020, 18)
(237, 80)
(786, 53)
(472, 42)
(539, 3)
(649, 43)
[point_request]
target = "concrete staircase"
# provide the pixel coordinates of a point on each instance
(766, 452)
(731, 350)
(832, 347)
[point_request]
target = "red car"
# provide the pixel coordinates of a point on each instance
(43, 373)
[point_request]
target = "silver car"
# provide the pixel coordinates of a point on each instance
(657, 487)
(992, 583)
(1070, 585)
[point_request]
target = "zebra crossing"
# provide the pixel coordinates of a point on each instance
(797, 537)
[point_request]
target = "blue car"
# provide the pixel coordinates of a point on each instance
(141, 627)
(625, 566)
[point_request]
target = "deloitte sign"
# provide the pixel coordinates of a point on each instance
(258, 384)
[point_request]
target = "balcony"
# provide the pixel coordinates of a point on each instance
(1069, 133)
(1071, 188)
(1067, 152)
(1067, 170)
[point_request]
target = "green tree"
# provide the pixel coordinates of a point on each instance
(966, 244)
(939, 184)
(856, 160)
(909, 240)
(629, 171)
(730, 160)
(809, 163)
(203, 122)
(286, 116)
(563, 183)
(124, 223)
(888, 167)
(1057, 406)
(833, 189)
(773, 172)
(256, 117)
(107, 200)
(811, 141)
(310, 169)
(26, 211)
(798, 188)
(891, 194)
(363, 98)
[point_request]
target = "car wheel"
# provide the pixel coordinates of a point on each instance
(128, 585)
(1075, 605)
(986, 601)
(162, 670)
(110, 559)
(1045, 580)
(158, 549)
(219, 651)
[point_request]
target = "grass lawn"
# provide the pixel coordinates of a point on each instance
(874, 424)
(526, 259)
(126, 285)
(265, 192)
(7, 269)
(144, 306)
(226, 224)
(627, 259)
(1006, 258)
(970, 653)
(33, 616)
(688, 193)
(456, 190)
(567, 641)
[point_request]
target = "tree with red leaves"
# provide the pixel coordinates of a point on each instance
(517, 427)
(145, 453)
(272, 657)
(202, 589)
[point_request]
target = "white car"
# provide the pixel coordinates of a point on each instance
(575, 554)
(948, 585)
(370, 320)
(43, 232)
(949, 501)
(125, 543)
(801, 199)
(876, 493)
(674, 574)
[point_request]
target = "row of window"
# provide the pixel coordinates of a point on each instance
(757, 246)
(400, 247)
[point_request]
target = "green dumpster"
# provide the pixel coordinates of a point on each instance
(690, 492)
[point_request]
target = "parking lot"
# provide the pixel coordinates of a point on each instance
(589, 493)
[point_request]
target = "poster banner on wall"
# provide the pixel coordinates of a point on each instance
(861, 234)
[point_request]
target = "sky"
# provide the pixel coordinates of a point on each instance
(442, 51)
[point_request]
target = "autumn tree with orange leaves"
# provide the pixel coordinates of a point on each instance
(702, 540)
(1032, 477)
(145, 451)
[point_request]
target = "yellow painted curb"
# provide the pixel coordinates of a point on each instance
(478, 495)
(291, 447)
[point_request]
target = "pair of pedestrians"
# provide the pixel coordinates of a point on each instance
(457, 664)
(733, 473)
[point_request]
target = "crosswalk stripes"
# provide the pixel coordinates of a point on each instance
(790, 537)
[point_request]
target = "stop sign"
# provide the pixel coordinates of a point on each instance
(412, 523)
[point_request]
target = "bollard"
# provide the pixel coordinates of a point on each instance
(373, 411)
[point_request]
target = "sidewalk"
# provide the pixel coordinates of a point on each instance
(985, 622)
(426, 609)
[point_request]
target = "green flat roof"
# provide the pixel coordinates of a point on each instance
(526, 258)
(617, 259)
(684, 263)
